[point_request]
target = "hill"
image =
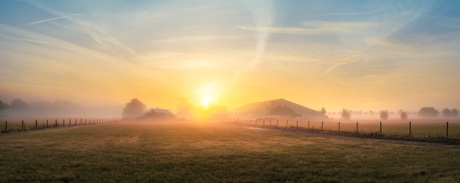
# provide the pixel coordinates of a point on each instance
(276, 108)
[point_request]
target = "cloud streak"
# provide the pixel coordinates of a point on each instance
(52, 19)
(97, 33)
(262, 12)
(316, 28)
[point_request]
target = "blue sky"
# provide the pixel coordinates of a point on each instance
(334, 54)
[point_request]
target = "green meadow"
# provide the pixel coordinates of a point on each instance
(212, 152)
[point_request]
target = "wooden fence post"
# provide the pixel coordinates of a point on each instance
(56, 123)
(357, 129)
(36, 125)
(287, 121)
(63, 122)
(277, 123)
(22, 125)
(46, 123)
(410, 128)
(447, 129)
(308, 123)
(380, 128)
(297, 124)
(322, 125)
(263, 123)
(6, 125)
(339, 126)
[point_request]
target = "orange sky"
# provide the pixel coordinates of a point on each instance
(365, 56)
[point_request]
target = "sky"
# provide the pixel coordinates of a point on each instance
(359, 55)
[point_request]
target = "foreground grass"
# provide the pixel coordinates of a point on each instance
(179, 152)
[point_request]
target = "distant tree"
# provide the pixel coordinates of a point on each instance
(159, 114)
(371, 112)
(384, 114)
(18, 104)
(3, 108)
(403, 114)
(323, 111)
(135, 108)
(446, 112)
(454, 113)
(428, 112)
(346, 114)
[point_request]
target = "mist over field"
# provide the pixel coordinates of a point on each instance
(229, 91)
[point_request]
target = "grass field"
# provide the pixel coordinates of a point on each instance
(420, 127)
(193, 152)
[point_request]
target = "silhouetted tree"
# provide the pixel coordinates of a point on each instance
(3, 108)
(159, 114)
(403, 115)
(446, 112)
(323, 111)
(135, 108)
(384, 114)
(428, 112)
(454, 113)
(346, 114)
(18, 104)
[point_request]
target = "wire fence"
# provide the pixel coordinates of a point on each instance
(436, 128)
(26, 125)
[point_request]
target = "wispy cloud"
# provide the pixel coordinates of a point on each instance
(262, 12)
(96, 32)
(316, 28)
(52, 19)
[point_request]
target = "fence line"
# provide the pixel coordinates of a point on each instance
(380, 128)
(36, 126)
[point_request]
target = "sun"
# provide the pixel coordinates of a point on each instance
(207, 100)
(208, 94)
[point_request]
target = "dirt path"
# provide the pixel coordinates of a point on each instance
(388, 141)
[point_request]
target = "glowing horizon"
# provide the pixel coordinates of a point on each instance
(359, 55)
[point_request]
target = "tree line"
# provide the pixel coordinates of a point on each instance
(426, 112)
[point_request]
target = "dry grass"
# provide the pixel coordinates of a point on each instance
(193, 152)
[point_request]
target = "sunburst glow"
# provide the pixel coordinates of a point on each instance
(208, 94)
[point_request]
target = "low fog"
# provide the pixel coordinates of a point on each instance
(19, 108)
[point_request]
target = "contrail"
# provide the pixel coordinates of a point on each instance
(52, 19)
(262, 11)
